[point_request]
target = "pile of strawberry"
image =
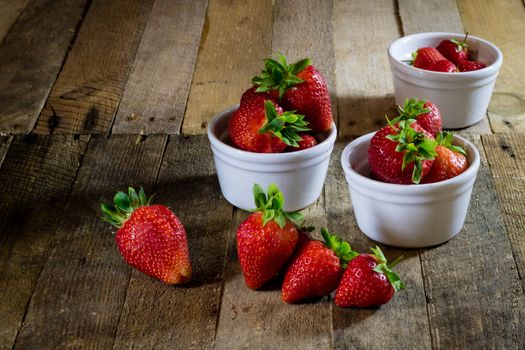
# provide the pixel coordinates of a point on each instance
(412, 148)
(270, 241)
(284, 110)
(449, 56)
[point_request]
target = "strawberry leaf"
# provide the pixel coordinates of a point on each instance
(341, 248)
(445, 139)
(124, 205)
(271, 205)
(385, 268)
(284, 126)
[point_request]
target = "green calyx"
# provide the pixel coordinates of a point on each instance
(279, 75)
(415, 146)
(445, 139)
(341, 248)
(124, 206)
(386, 268)
(271, 205)
(284, 126)
(461, 45)
(410, 110)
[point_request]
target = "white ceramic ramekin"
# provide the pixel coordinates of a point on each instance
(462, 98)
(408, 216)
(299, 175)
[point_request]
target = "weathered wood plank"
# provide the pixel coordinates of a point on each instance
(260, 319)
(158, 86)
(86, 94)
(502, 23)
(81, 290)
(35, 180)
(505, 154)
(5, 141)
(11, 9)
(364, 82)
(296, 35)
(472, 286)
(403, 322)
(159, 316)
(235, 40)
(31, 55)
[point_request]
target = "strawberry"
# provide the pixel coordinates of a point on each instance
(316, 269)
(368, 281)
(149, 237)
(426, 56)
(301, 87)
(260, 125)
(307, 141)
(450, 160)
(267, 238)
(455, 51)
(425, 113)
(468, 66)
(401, 153)
(444, 66)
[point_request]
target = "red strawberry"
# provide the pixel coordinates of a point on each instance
(259, 125)
(442, 66)
(307, 141)
(450, 160)
(455, 51)
(425, 113)
(426, 56)
(468, 66)
(267, 238)
(368, 281)
(301, 88)
(150, 237)
(401, 153)
(316, 269)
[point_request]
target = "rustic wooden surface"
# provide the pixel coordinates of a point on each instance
(155, 72)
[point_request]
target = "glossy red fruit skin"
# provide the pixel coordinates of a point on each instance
(452, 52)
(264, 250)
(311, 99)
(469, 66)
(314, 272)
(153, 240)
(385, 162)
(426, 56)
(444, 66)
(245, 123)
(447, 165)
(430, 121)
(361, 286)
(308, 141)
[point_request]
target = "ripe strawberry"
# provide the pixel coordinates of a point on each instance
(442, 66)
(468, 66)
(316, 269)
(401, 153)
(259, 125)
(426, 56)
(301, 88)
(149, 237)
(307, 141)
(450, 160)
(368, 281)
(456, 51)
(267, 238)
(425, 113)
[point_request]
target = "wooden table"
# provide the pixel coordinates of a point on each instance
(98, 95)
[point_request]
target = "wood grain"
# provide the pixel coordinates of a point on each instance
(472, 286)
(505, 155)
(165, 317)
(403, 322)
(11, 9)
(364, 82)
(5, 142)
(30, 58)
(502, 23)
(235, 40)
(155, 96)
(80, 293)
(35, 181)
(296, 35)
(86, 94)
(260, 319)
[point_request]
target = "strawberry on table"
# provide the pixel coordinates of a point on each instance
(449, 162)
(456, 51)
(300, 87)
(149, 237)
(425, 113)
(267, 238)
(368, 281)
(316, 269)
(426, 56)
(468, 66)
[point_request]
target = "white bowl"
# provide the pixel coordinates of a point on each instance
(299, 175)
(408, 216)
(462, 98)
